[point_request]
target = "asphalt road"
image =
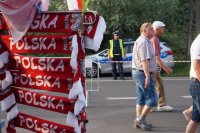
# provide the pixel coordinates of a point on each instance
(111, 109)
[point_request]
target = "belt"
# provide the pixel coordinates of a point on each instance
(195, 80)
(142, 70)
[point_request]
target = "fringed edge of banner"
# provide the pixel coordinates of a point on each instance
(73, 121)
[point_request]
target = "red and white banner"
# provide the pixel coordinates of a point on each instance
(41, 65)
(68, 22)
(60, 44)
(51, 82)
(37, 125)
(74, 4)
(44, 101)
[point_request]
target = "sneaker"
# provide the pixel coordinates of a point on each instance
(187, 115)
(165, 108)
(142, 125)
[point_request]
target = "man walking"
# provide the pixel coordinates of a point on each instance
(158, 27)
(144, 65)
(116, 54)
(194, 85)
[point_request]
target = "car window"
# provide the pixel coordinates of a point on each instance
(128, 49)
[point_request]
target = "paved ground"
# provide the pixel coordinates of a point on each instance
(108, 114)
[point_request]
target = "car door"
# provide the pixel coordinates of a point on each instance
(128, 58)
(105, 64)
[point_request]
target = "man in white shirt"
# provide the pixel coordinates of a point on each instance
(144, 65)
(194, 85)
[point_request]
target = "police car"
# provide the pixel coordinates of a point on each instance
(101, 64)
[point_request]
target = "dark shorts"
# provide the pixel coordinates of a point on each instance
(145, 96)
(194, 88)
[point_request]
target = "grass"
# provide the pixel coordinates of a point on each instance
(179, 70)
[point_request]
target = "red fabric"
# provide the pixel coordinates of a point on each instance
(90, 30)
(39, 44)
(38, 125)
(80, 6)
(2, 74)
(81, 52)
(51, 82)
(44, 101)
(1, 24)
(11, 127)
(41, 65)
(82, 116)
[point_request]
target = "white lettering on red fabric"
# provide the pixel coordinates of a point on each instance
(39, 80)
(45, 22)
(42, 101)
(35, 126)
(39, 64)
(36, 43)
(89, 29)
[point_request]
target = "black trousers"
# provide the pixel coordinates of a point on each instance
(120, 66)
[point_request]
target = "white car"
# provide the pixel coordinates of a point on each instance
(100, 60)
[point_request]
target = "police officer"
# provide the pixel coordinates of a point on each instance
(116, 54)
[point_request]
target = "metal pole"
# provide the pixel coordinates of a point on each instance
(91, 77)
(98, 75)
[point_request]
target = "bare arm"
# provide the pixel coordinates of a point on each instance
(196, 64)
(168, 70)
(145, 66)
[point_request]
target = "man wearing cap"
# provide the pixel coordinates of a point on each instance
(158, 27)
(116, 54)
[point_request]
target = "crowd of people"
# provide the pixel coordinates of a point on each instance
(146, 66)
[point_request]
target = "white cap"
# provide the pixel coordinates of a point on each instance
(157, 24)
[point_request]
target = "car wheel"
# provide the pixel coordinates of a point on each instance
(92, 73)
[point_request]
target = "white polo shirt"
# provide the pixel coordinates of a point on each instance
(194, 55)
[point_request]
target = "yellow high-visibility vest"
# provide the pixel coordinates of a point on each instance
(112, 45)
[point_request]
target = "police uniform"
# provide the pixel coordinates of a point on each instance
(116, 52)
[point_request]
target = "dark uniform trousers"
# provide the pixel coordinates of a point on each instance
(120, 66)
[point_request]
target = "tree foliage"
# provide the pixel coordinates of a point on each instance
(128, 15)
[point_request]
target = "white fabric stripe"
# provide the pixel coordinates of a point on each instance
(73, 121)
(73, 61)
(12, 113)
(3, 59)
(45, 5)
(8, 102)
